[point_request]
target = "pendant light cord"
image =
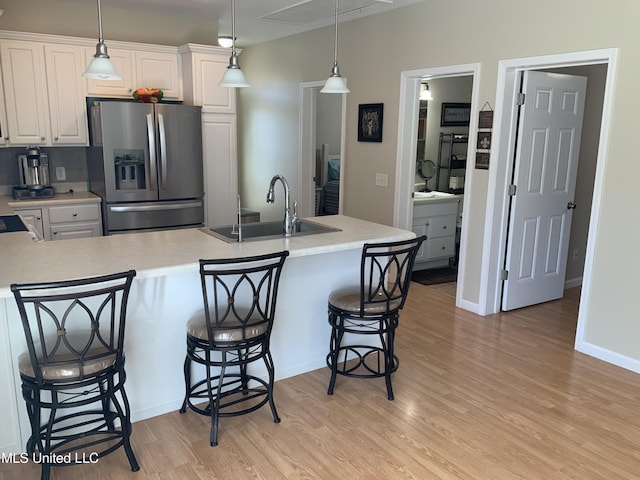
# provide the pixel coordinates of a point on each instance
(233, 27)
(100, 39)
(335, 45)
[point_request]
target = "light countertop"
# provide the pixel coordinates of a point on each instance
(8, 203)
(165, 252)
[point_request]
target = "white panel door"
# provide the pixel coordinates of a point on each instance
(547, 152)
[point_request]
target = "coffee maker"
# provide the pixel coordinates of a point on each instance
(33, 168)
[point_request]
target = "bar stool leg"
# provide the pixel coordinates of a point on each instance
(268, 360)
(336, 340)
(187, 382)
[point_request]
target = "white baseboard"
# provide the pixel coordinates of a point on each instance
(573, 282)
(608, 356)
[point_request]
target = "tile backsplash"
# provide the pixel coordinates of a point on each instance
(73, 159)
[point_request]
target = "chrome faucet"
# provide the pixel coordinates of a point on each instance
(290, 217)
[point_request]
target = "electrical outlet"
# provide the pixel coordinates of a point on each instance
(61, 173)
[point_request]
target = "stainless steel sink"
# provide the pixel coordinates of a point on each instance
(252, 232)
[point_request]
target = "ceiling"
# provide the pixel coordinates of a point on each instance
(194, 20)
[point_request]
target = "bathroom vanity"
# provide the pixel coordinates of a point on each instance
(435, 215)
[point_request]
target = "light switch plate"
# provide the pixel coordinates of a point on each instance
(382, 180)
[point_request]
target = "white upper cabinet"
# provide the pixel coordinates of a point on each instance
(4, 133)
(44, 95)
(139, 69)
(203, 67)
(123, 63)
(159, 70)
(26, 99)
(67, 108)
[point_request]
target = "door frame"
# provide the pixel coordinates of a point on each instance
(406, 153)
(503, 149)
(308, 101)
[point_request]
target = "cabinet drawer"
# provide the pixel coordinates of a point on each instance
(440, 247)
(434, 209)
(75, 230)
(74, 213)
(441, 226)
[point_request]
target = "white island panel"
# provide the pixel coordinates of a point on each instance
(166, 292)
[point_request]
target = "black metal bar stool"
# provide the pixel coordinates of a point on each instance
(73, 371)
(371, 309)
(239, 308)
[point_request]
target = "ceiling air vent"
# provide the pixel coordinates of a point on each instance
(313, 11)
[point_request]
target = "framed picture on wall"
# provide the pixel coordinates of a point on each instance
(370, 122)
(455, 115)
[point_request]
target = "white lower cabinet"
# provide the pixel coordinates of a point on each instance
(64, 221)
(33, 217)
(75, 221)
(436, 220)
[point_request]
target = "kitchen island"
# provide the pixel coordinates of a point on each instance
(166, 293)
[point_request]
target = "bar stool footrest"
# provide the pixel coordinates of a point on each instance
(357, 361)
(241, 392)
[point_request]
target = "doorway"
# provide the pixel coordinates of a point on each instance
(500, 173)
(406, 156)
(321, 140)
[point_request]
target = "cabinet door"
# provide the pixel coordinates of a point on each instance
(420, 228)
(441, 226)
(161, 70)
(220, 169)
(32, 217)
(208, 70)
(123, 63)
(26, 100)
(4, 133)
(443, 247)
(67, 110)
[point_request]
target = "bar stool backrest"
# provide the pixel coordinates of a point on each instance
(240, 296)
(385, 275)
(70, 325)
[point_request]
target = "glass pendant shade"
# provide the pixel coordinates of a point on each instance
(101, 67)
(335, 83)
(233, 76)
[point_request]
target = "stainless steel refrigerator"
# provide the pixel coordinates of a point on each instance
(146, 163)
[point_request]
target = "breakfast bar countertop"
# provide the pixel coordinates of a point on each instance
(8, 203)
(165, 252)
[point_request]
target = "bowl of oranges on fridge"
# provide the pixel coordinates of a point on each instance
(148, 95)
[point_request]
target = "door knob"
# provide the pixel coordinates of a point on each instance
(571, 206)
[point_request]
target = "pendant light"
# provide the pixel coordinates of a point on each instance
(233, 76)
(101, 67)
(335, 83)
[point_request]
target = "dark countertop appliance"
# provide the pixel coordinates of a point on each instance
(33, 169)
(146, 164)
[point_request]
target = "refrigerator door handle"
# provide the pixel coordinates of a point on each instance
(151, 208)
(151, 138)
(163, 152)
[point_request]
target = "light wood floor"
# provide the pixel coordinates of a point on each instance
(500, 397)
